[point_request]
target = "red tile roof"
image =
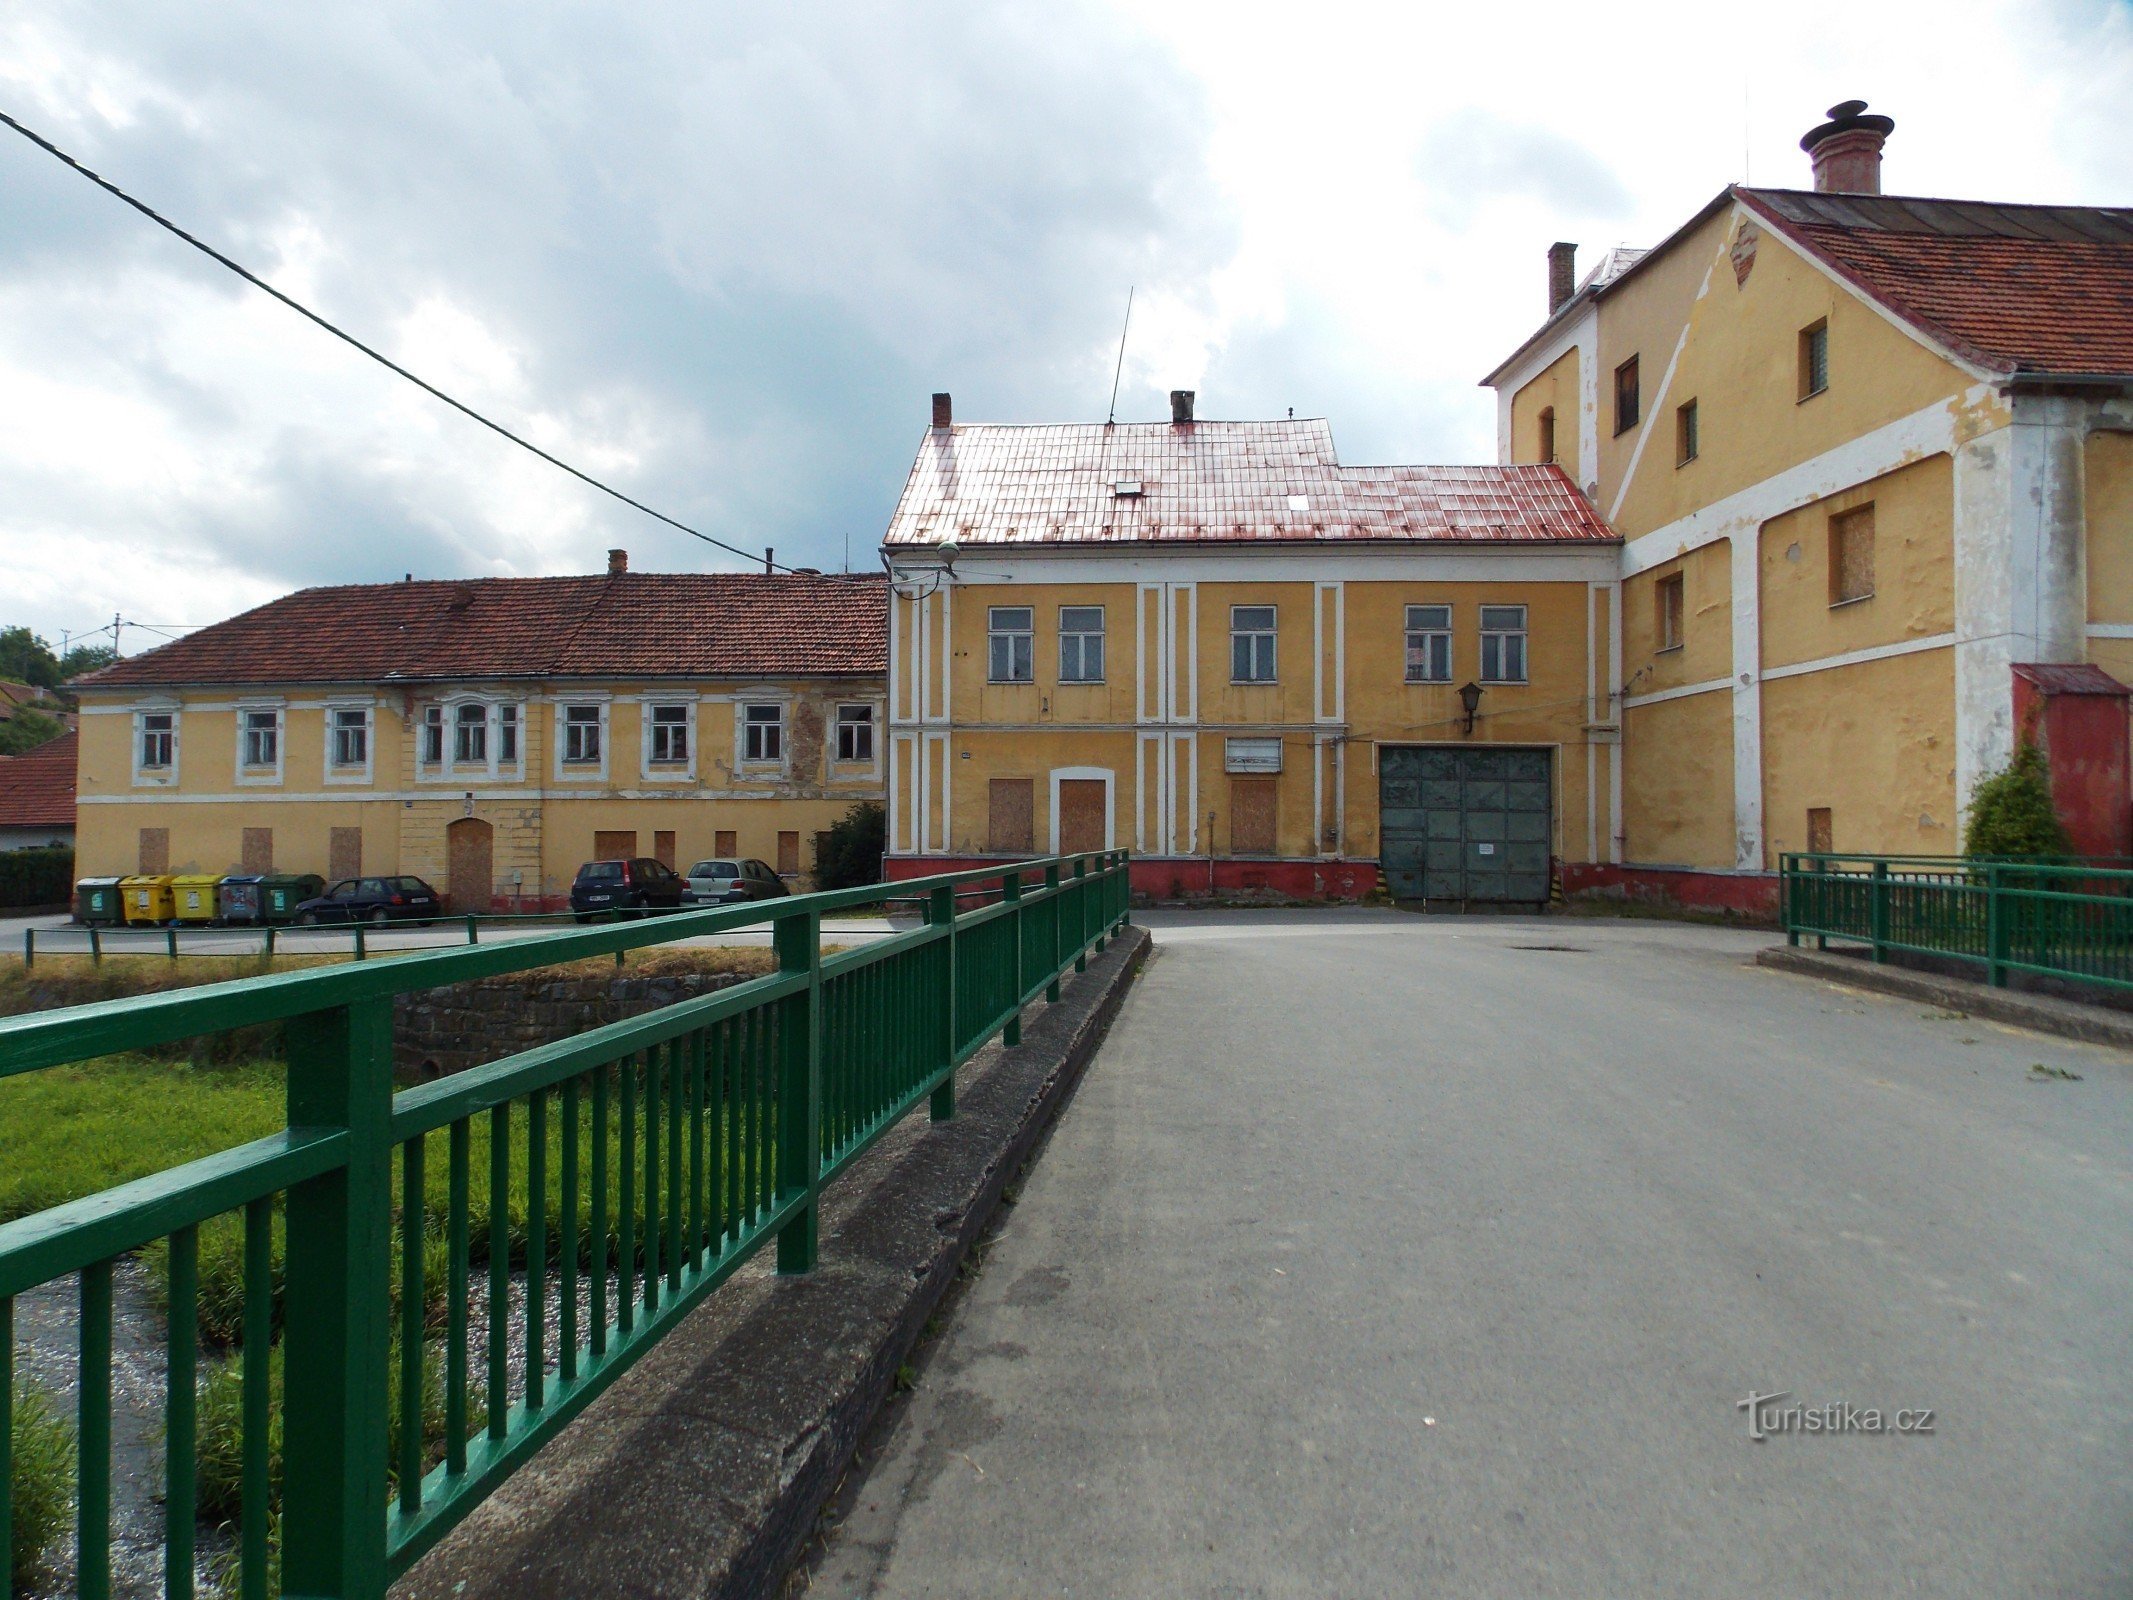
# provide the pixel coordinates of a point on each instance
(630, 625)
(1240, 482)
(2012, 289)
(37, 787)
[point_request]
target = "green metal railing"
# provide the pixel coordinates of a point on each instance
(2066, 919)
(653, 1157)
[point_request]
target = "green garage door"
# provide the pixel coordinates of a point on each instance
(1465, 823)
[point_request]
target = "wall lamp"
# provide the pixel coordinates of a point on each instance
(1470, 702)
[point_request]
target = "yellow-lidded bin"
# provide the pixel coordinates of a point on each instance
(192, 896)
(147, 897)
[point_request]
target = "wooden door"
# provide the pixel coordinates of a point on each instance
(663, 846)
(788, 855)
(259, 850)
(155, 851)
(469, 848)
(344, 854)
(614, 844)
(727, 844)
(1010, 816)
(1081, 815)
(1251, 816)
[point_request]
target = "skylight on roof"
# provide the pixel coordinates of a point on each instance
(1126, 488)
(1299, 502)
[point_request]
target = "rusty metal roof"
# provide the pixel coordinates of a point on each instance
(2070, 678)
(1214, 482)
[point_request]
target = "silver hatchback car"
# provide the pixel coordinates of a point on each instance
(729, 882)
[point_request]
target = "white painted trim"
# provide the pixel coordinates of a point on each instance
(498, 795)
(352, 776)
(668, 772)
(1647, 417)
(1746, 550)
(2110, 630)
(264, 774)
(1635, 701)
(156, 777)
(575, 771)
(1109, 780)
(1614, 753)
(1853, 658)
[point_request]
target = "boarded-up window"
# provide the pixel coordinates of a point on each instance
(1081, 815)
(1851, 556)
(788, 854)
(614, 844)
(155, 850)
(1010, 826)
(726, 843)
(259, 850)
(663, 846)
(1547, 434)
(1627, 398)
(1672, 593)
(344, 853)
(1251, 816)
(1819, 834)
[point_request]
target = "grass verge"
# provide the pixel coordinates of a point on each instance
(42, 1454)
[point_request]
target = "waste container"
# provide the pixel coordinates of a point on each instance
(192, 896)
(238, 899)
(281, 893)
(97, 903)
(147, 897)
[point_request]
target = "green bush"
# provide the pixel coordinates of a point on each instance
(2011, 813)
(43, 1481)
(850, 853)
(36, 877)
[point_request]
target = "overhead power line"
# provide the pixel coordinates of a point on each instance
(383, 360)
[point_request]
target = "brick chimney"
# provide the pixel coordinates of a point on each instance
(1181, 406)
(618, 562)
(943, 412)
(1847, 149)
(1562, 275)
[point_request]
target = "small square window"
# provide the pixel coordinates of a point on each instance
(1503, 644)
(1011, 644)
(670, 735)
(763, 733)
(432, 736)
(351, 737)
(1626, 396)
(1851, 556)
(1814, 359)
(1081, 644)
(1671, 593)
(158, 739)
(470, 734)
(1685, 439)
(1429, 644)
(507, 735)
(262, 738)
(581, 736)
(1251, 644)
(855, 733)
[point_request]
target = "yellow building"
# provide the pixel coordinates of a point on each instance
(1866, 455)
(492, 734)
(1260, 670)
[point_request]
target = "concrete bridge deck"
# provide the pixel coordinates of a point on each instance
(1381, 1255)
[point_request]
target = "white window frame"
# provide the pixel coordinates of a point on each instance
(260, 774)
(1432, 632)
(144, 776)
(872, 724)
(998, 633)
(741, 724)
(1498, 636)
(669, 770)
(1246, 755)
(509, 714)
(580, 771)
(1109, 778)
(1271, 634)
(1080, 639)
(432, 723)
(338, 771)
(463, 725)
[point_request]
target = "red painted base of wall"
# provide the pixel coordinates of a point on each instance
(1188, 877)
(1742, 894)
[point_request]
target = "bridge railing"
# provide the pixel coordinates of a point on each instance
(589, 1191)
(2069, 919)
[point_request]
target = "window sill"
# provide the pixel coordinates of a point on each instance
(1426, 683)
(1255, 683)
(1686, 461)
(1812, 394)
(1855, 600)
(1010, 683)
(1504, 683)
(1670, 649)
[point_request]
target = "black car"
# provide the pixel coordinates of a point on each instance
(729, 882)
(638, 884)
(371, 900)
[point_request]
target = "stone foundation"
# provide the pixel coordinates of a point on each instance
(442, 1031)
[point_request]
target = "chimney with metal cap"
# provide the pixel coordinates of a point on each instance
(1181, 405)
(943, 412)
(1562, 275)
(618, 562)
(1847, 149)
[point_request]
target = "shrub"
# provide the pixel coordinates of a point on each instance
(43, 1481)
(36, 877)
(2011, 813)
(850, 854)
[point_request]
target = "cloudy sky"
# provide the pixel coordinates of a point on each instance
(720, 255)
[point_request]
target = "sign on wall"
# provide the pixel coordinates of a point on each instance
(1252, 755)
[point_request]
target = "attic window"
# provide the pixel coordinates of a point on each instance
(1127, 488)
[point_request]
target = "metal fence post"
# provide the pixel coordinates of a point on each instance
(170, 938)
(1011, 892)
(29, 948)
(361, 949)
(337, 1294)
(1051, 895)
(1877, 926)
(1081, 914)
(798, 942)
(1103, 900)
(940, 911)
(96, 947)
(1997, 933)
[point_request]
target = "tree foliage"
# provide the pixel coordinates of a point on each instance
(2011, 812)
(27, 729)
(850, 853)
(25, 657)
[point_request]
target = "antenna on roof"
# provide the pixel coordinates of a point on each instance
(1121, 367)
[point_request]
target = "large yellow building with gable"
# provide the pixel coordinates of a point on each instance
(1259, 669)
(1867, 454)
(492, 734)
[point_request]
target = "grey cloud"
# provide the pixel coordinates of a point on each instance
(1477, 158)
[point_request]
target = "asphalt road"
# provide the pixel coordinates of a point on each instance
(1389, 1256)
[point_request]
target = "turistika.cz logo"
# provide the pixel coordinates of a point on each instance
(1769, 1415)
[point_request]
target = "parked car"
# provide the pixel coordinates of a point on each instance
(638, 884)
(727, 883)
(371, 900)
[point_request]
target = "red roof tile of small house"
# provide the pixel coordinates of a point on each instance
(1234, 482)
(2070, 678)
(625, 625)
(37, 787)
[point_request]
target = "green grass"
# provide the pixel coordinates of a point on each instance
(42, 1483)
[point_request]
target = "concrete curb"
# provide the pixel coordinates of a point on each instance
(702, 1472)
(2069, 1019)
